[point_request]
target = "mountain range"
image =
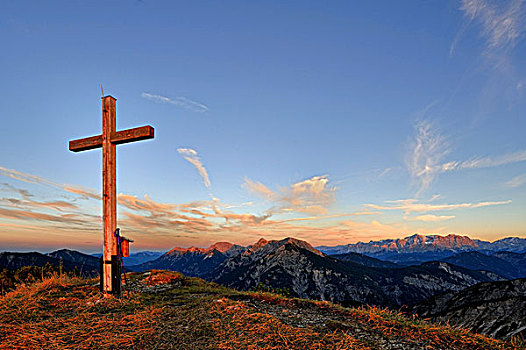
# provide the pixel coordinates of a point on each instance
(418, 248)
(306, 272)
(432, 276)
(463, 286)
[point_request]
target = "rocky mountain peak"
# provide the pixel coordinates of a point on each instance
(450, 241)
(221, 246)
(416, 242)
(416, 239)
(179, 250)
(261, 243)
(302, 244)
(275, 244)
(433, 245)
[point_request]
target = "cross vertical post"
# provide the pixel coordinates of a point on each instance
(108, 140)
(109, 192)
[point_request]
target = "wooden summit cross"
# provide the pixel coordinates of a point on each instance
(110, 276)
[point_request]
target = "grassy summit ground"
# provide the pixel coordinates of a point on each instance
(166, 310)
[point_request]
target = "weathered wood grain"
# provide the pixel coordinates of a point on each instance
(131, 135)
(108, 141)
(109, 188)
(85, 144)
(117, 138)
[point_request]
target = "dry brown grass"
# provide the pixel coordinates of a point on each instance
(394, 324)
(239, 327)
(63, 313)
(158, 277)
(165, 310)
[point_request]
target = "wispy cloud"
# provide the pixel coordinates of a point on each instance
(24, 193)
(33, 179)
(191, 156)
(261, 190)
(502, 22)
(429, 218)
(486, 162)
(177, 101)
(86, 193)
(18, 175)
(426, 158)
(517, 181)
(501, 25)
(28, 214)
(413, 205)
(57, 205)
(331, 216)
(427, 152)
(146, 204)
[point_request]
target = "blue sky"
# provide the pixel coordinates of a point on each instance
(334, 123)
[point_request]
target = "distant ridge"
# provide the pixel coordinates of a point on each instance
(479, 261)
(87, 265)
(137, 258)
(222, 247)
(192, 261)
(412, 243)
(419, 248)
(365, 260)
(84, 260)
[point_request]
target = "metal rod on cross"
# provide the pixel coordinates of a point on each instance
(110, 268)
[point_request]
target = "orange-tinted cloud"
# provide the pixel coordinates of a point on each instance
(203, 222)
(23, 193)
(261, 190)
(146, 204)
(29, 178)
(28, 214)
(18, 175)
(311, 196)
(58, 205)
(84, 192)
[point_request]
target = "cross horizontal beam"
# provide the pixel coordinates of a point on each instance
(118, 138)
(86, 143)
